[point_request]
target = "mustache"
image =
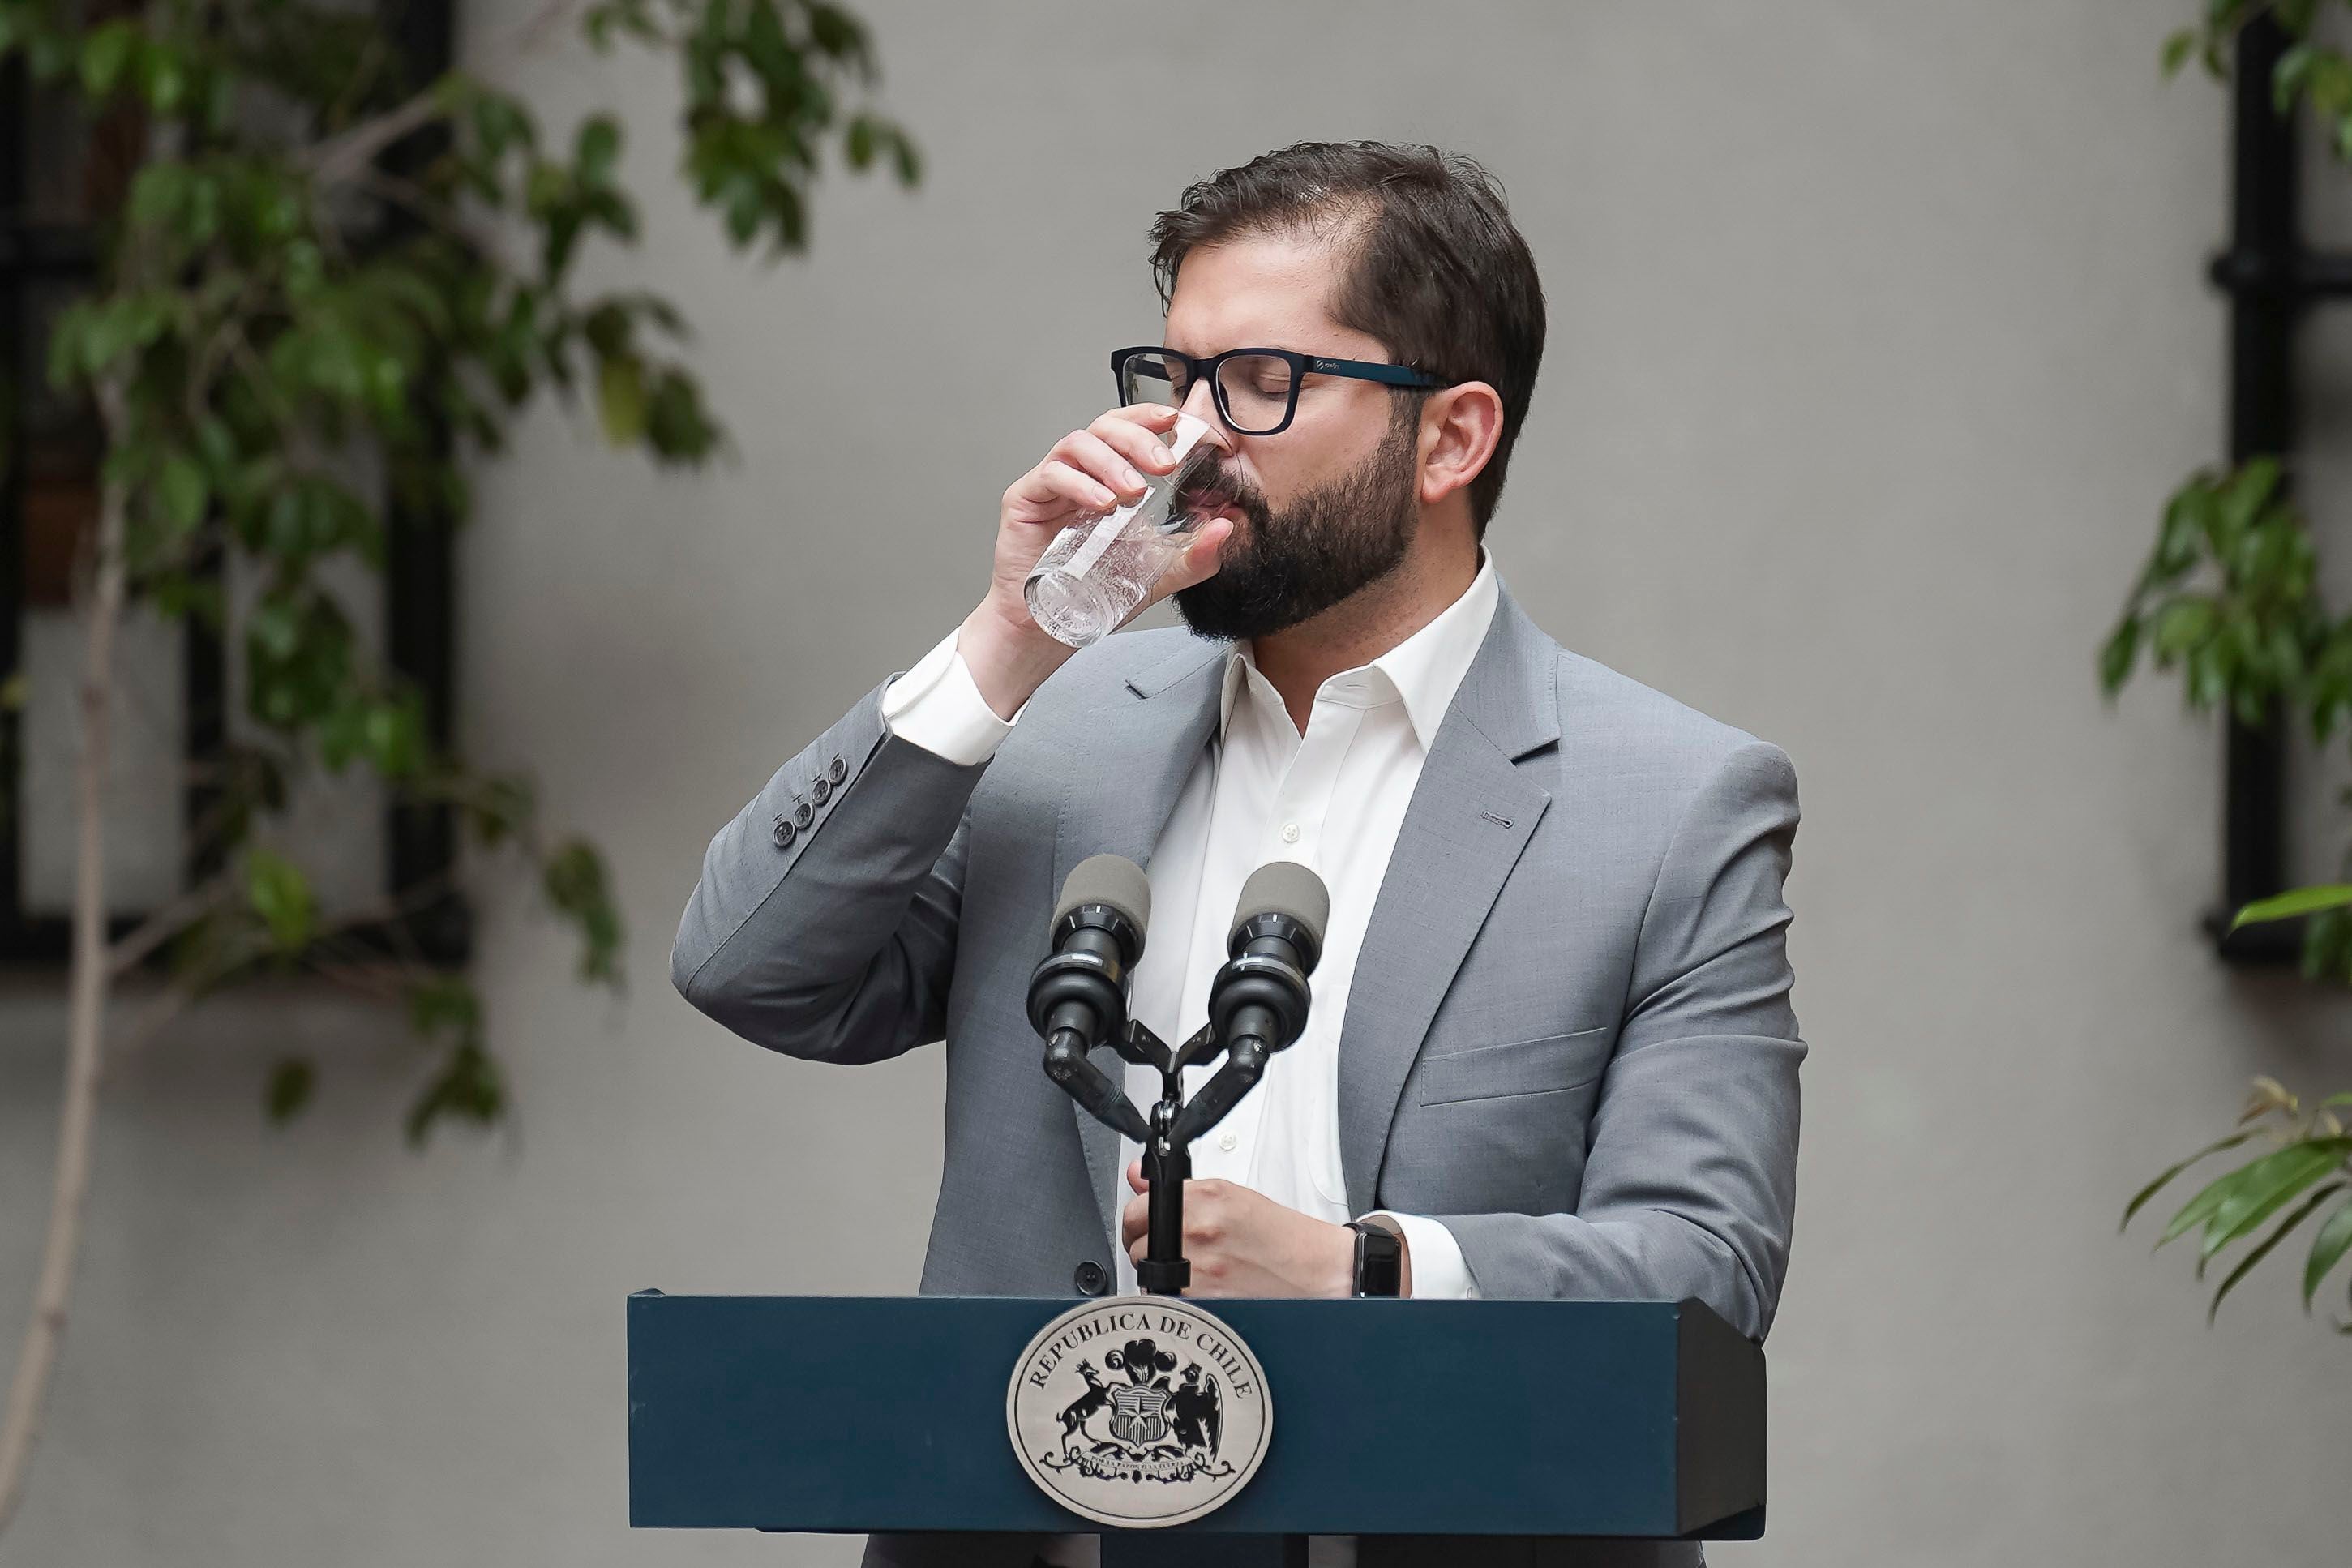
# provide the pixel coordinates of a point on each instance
(1221, 488)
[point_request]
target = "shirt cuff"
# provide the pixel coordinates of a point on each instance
(1438, 1272)
(938, 706)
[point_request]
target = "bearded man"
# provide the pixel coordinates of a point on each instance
(1551, 1051)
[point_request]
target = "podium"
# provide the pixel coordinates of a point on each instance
(1390, 1417)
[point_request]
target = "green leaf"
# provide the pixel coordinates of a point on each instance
(598, 148)
(184, 490)
(2267, 1185)
(2287, 78)
(2140, 1199)
(2199, 1209)
(162, 79)
(2178, 49)
(501, 122)
(2246, 1264)
(576, 885)
(2327, 1249)
(906, 158)
(105, 55)
(159, 193)
(393, 733)
(469, 1089)
(2297, 902)
(2181, 625)
(621, 399)
(836, 31)
(280, 895)
(2121, 652)
(290, 1083)
(445, 1003)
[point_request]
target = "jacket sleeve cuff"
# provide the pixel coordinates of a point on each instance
(938, 706)
(1439, 1274)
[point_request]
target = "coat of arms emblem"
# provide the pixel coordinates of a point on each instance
(1138, 1412)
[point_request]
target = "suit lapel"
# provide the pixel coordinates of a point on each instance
(1471, 816)
(1117, 797)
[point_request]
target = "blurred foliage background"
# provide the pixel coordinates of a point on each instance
(329, 277)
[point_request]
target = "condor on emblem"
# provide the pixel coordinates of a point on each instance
(1138, 1412)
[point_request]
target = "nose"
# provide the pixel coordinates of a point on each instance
(1200, 403)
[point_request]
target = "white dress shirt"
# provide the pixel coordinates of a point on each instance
(1332, 799)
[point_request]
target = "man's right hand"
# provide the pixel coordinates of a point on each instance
(1088, 470)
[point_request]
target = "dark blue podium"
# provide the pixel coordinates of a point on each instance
(1420, 1418)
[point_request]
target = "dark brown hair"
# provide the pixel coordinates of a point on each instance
(1434, 268)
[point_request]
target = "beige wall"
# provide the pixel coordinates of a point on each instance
(1878, 338)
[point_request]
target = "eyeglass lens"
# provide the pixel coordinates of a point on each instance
(1255, 388)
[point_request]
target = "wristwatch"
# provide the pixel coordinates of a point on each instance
(1379, 1256)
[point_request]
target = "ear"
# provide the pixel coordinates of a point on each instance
(1460, 428)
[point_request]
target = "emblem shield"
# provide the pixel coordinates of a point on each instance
(1181, 1423)
(1138, 1416)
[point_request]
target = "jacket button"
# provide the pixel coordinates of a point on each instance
(822, 788)
(1090, 1278)
(803, 814)
(836, 770)
(785, 833)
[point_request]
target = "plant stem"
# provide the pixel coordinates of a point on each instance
(86, 1011)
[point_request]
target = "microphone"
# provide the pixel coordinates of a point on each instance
(1258, 1002)
(1078, 996)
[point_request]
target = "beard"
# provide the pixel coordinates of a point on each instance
(1293, 565)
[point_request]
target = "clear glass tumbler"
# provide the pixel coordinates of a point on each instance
(1101, 566)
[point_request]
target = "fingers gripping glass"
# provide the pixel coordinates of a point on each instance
(1257, 390)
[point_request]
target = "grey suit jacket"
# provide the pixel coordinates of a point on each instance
(1570, 1036)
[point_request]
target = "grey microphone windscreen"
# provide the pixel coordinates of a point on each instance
(1111, 880)
(1286, 886)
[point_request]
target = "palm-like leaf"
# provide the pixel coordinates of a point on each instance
(2268, 1185)
(2327, 1249)
(2139, 1199)
(2246, 1264)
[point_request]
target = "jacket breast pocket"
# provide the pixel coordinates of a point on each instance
(1551, 1065)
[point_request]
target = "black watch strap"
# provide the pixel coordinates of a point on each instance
(1379, 1258)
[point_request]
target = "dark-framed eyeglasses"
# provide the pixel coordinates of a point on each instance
(1257, 390)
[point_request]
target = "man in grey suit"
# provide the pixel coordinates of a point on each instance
(1552, 1052)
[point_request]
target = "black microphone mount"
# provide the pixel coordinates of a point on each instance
(1257, 1006)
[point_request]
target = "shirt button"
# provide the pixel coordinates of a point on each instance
(1290, 833)
(1228, 1142)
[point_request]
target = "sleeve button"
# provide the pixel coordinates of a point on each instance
(1090, 1278)
(836, 770)
(822, 789)
(785, 834)
(803, 814)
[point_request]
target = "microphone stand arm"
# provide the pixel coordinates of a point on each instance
(1168, 1152)
(1167, 1138)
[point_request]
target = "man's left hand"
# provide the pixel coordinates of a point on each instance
(1241, 1243)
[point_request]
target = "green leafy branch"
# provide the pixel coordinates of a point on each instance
(2228, 597)
(2310, 72)
(304, 329)
(2308, 1164)
(292, 300)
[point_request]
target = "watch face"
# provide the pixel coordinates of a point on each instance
(1380, 1260)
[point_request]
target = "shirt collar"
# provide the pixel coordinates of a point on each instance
(1423, 671)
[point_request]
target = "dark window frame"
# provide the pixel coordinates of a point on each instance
(2270, 280)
